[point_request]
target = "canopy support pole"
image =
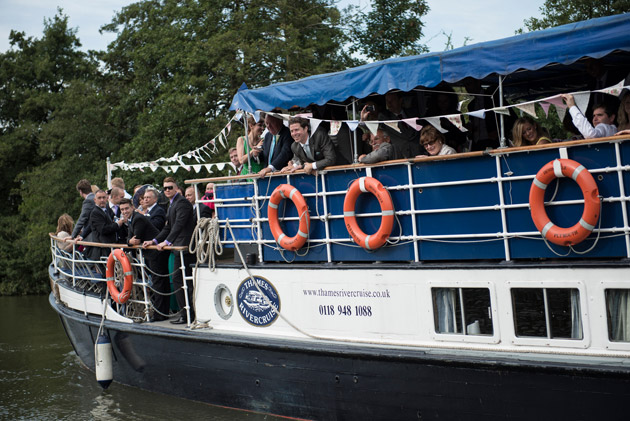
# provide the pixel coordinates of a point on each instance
(109, 174)
(501, 116)
(354, 133)
(246, 145)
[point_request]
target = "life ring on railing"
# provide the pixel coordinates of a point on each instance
(120, 297)
(286, 191)
(582, 229)
(372, 185)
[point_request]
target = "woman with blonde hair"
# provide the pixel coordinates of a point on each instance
(527, 132)
(623, 114)
(250, 147)
(65, 223)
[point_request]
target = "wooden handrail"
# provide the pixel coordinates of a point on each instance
(114, 245)
(492, 152)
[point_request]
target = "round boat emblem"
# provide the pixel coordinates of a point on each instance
(259, 306)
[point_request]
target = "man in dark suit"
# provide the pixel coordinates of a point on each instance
(309, 152)
(104, 228)
(276, 146)
(204, 211)
(141, 229)
(406, 142)
(85, 190)
(178, 231)
(154, 211)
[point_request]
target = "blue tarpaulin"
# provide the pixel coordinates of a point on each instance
(563, 45)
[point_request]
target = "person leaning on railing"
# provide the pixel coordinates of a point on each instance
(382, 149)
(434, 143)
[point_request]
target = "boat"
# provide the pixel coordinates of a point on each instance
(471, 307)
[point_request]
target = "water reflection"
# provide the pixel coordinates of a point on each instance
(42, 378)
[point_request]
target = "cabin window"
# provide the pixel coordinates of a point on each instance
(462, 311)
(618, 314)
(547, 312)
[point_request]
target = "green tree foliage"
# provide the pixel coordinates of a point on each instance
(163, 86)
(391, 28)
(560, 12)
(179, 62)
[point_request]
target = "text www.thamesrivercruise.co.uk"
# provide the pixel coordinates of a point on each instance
(346, 310)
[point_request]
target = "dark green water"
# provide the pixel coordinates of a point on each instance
(41, 378)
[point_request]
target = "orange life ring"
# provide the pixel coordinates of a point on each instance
(120, 297)
(286, 191)
(582, 229)
(372, 185)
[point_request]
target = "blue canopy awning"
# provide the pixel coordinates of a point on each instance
(564, 45)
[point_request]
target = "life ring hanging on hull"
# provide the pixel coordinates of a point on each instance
(371, 185)
(120, 297)
(286, 191)
(583, 228)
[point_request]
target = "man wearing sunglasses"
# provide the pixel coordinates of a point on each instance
(178, 231)
(382, 149)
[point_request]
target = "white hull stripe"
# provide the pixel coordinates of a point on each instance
(546, 228)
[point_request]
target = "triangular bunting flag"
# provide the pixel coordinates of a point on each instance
(220, 166)
(393, 125)
(197, 168)
(208, 166)
(257, 116)
(456, 119)
(556, 100)
(478, 114)
(413, 123)
(529, 108)
(229, 127)
(561, 112)
(174, 168)
(435, 122)
(613, 90)
(167, 169)
(352, 124)
(581, 100)
(334, 127)
(502, 110)
(372, 127)
(314, 124)
(545, 107)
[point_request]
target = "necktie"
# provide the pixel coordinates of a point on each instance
(273, 145)
(307, 151)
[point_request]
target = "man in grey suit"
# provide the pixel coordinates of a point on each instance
(85, 190)
(382, 149)
(309, 152)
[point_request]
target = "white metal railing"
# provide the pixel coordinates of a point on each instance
(500, 178)
(83, 273)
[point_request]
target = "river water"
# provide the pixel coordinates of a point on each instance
(41, 378)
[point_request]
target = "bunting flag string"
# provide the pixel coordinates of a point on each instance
(581, 101)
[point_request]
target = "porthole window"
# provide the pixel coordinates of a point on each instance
(552, 313)
(464, 311)
(618, 314)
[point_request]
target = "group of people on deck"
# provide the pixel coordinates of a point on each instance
(273, 146)
(110, 217)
